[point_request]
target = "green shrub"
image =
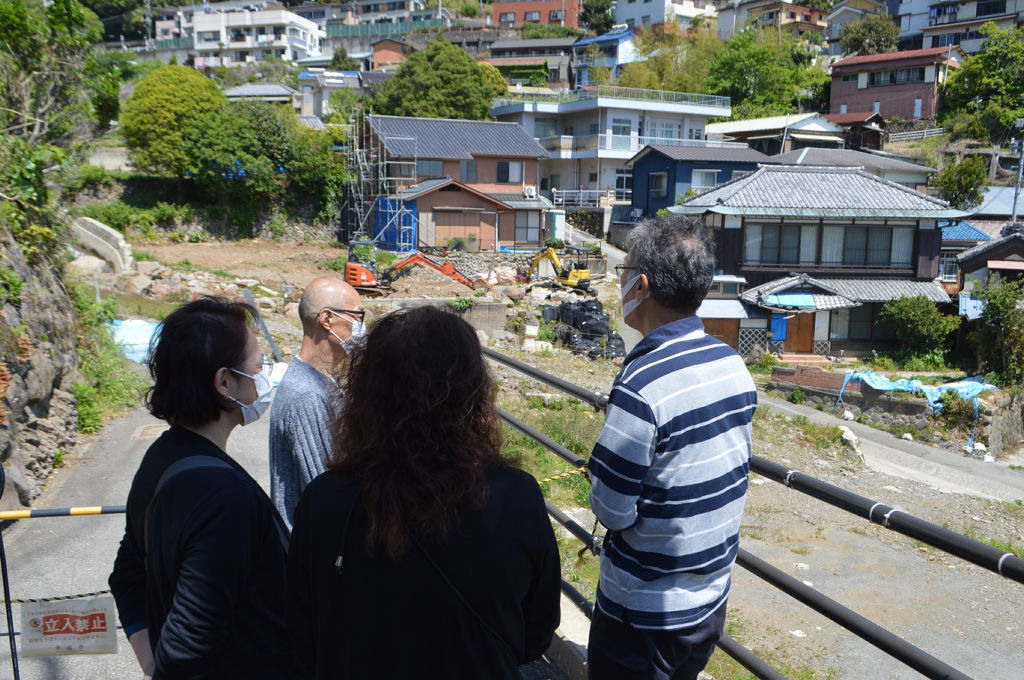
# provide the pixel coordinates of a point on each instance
(797, 396)
(548, 332)
(955, 409)
(918, 323)
(468, 10)
(456, 243)
(11, 286)
(277, 227)
(460, 304)
(555, 243)
(763, 366)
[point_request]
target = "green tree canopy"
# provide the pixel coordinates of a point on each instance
(43, 52)
(342, 62)
(442, 81)
(159, 114)
(874, 34)
(597, 15)
(960, 183)
(763, 75)
(989, 85)
(999, 338)
(918, 323)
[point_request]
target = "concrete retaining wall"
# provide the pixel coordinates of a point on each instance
(893, 409)
(104, 242)
(1006, 426)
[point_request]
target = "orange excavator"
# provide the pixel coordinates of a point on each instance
(363, 276)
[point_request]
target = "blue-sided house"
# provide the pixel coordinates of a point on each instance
(663, 173)
(613, 49)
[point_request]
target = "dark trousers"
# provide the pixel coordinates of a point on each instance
(618, 651)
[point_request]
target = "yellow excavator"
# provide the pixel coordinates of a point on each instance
(575, 275)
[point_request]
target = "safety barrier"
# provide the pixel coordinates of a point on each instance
(1007, 565)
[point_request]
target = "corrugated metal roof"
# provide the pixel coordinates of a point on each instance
(845, 158)
(440, 138)
(750, 124)
(424, 187)
(722, 309)
(259, 90)
(520, 202)
(312, 122)
(619, 35)
(799, 191)
(899, 56)
(998, 201)
(848, 118)
(705, 153)
(962, 231)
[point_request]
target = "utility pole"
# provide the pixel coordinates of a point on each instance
(1019, 148)
(149, 25)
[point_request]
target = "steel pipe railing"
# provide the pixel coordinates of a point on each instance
(542, 439)
(596, 399)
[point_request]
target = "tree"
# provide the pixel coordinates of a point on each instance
(999, 338)
(342, 62)
(918, 323)
(678, 62)
(157, 117)
(763, 76)
(990, 84)
(442, 81)
(960, 184)
(43, 98)
(495, 82)
(875, 34)
(597, 75)
(597, 15)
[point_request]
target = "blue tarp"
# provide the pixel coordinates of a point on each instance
(791, 300)
(778, 327)
(968, 388)
(134, 336)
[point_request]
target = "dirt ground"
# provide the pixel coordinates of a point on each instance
(964, 615)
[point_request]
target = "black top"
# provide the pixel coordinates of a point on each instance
(211, 587)
(383, 618)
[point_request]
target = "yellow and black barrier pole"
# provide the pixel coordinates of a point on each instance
(79, 511)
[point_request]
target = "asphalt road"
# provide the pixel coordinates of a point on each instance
(60, 556)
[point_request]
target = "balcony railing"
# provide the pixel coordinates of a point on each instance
(626, 143)
(590, 198)
(589, 92)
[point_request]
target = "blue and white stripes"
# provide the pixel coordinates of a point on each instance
(669, 476)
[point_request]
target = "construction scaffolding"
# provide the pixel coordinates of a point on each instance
(374, 207)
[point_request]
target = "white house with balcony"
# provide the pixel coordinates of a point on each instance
(232, 38)
(591, 132)
(927, 23)
(677, 13)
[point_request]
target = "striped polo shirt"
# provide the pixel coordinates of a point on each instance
(669, 476)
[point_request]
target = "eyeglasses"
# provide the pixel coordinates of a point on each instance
(619, 268)
(359, 314)
(265, 363)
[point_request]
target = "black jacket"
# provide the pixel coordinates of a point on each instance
(211, 588)
(380, 618)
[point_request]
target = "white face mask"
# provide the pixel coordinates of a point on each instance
(356, 339)
(252, 412)
(629, 306)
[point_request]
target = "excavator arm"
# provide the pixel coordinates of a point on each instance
(447, 268)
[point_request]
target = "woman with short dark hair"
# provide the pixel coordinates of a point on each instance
(199, 576)
(421, 552)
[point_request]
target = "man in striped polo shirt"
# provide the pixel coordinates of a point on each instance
(669, 470)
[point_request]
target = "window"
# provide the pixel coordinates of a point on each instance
(849, 78)
(467, 171)
(695, 133)
(508, 18)
(556, 15)
(917, 108)
(621, 128)
(949, 270)
(659, 184)
(532, 16)
(842, 108)
(545, 127)
(645, 20)
(663, 130)
(556, 181)
(209, 36)
(592, 178)
(780, 244)
(737, 174)
(429, 169)
(877, 107)
(510, 172)
(527, 226)
(990, 7)
(704, 180)
(629, 22)
(623, 184)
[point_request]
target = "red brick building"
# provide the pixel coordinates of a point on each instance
(903, 84)
(519, 12)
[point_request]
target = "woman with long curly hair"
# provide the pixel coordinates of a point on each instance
(422, 552)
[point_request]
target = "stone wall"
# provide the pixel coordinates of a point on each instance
(1006, 426)
(38, 364)
(893, 409)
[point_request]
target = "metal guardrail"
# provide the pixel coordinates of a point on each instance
(916, 134)
(589, 92)
(1005, 564)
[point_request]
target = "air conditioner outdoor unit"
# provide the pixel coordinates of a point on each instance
(530, 191)
(636, 212)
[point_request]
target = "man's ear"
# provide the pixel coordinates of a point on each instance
(221, 382)
(643, 286)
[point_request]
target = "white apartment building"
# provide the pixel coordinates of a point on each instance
(927, 23)
(231, 38)
(679, 13)
(590, 134)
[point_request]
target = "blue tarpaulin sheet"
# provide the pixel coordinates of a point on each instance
(968, 388)
(791, 300)
(778, 327)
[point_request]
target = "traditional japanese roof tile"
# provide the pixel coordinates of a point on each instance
(982, 248)
(704, 153)
(962, 231)
(440, 138)
(800, 191)
(829, 292)
(845, 158)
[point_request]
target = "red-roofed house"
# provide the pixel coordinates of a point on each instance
(894, 84)
(863, 130)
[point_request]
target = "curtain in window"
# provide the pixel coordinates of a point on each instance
(855, 245)
(790, 247)
(832, 246)
(770, 244)
(808, 244)
(902, 246)
(840, 326)
(752, 244)
(879, 246)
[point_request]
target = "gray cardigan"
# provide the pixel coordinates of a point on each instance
(300, 434)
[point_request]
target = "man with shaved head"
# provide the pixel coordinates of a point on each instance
(300, 419)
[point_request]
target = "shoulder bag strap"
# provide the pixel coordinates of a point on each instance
(177, 467)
